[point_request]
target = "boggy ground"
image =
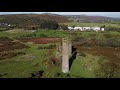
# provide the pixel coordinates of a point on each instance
(9, 46)
(41, 40)
(112, 53)
(17, 61)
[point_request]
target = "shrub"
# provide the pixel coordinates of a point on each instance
(82, 54)
(47, 47)
(43, 35)
(79, 39)
(65, 75)
(57, 74)
(113, 43)
(5, 39)
(101, 43)
(107, 35)
(112, 29)
(37, 74)
(92, 35)
(48, 24)
(64, 27)
(87, 44)
(108, 70)
(5, 55)
(110, 42)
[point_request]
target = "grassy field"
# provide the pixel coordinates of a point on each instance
(86, 65)
(89, 66)
(17, 33)
(22, 66)
(93, 24)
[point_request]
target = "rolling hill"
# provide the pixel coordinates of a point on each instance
(85, 18)
(36, 19)
(31, 19)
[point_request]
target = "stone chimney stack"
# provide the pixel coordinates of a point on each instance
(66, 52)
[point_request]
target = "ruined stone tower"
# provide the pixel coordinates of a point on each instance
(66, 52)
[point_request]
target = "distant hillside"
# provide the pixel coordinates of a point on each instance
(31, 19)
(85, 18)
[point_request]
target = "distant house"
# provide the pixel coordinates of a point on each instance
(2, 24)
(96, 28)
(33, 30)
(86, 28)
(9, 25)
(102, 29)
(77, 28)
(70, 28)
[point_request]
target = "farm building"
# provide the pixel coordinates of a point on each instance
(96, 28)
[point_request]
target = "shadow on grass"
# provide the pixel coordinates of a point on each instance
(3, 74)
(37, 74)
(73, 57)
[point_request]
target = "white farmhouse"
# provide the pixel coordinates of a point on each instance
(78, 28)
(95, 28)
(70, 28)
(86, 28)
(102, 29)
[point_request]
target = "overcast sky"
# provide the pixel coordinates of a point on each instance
(109, 14)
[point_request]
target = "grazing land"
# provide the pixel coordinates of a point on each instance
(34, 54)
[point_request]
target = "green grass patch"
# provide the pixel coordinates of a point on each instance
(84, 66)
(22, 66)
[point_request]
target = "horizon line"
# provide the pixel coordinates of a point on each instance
(60, 13)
